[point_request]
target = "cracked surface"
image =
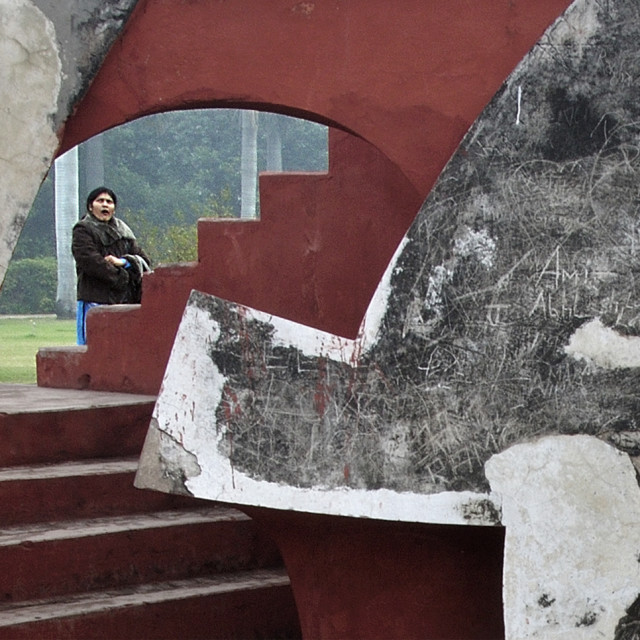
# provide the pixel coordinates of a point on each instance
(30, 81)
(571, 507)
(50, 52)
(165, 463)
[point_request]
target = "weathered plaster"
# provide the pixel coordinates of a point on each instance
(159, 473)
(604, 347)
(49, 54)
(30, 81)
(85, 31)
(185, 444)
(571, 508)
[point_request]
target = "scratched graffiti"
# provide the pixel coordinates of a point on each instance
(532, 230)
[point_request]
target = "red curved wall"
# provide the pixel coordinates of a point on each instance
(404, 80)
(376, 580)
(315, 256)
(409, 76)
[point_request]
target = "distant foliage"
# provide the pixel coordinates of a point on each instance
(178, 241)
(38, 236)
(169, 170)
(39, 296)
(172, 168)
(175, 243)
(180, 161)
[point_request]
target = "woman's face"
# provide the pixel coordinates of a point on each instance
(103, 207)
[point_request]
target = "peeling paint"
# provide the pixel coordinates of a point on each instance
(189, 414)
(604, 347)
(475, 244)
(481, 511)
(30, 81)
(168, 466)
(304, 8)
(571, 508)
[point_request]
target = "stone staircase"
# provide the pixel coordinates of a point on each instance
(84, 554)
(302, 241)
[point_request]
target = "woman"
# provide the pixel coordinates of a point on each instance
(109, 262)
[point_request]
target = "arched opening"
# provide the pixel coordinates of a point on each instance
(169, 169)
(390, 142)
(392, 146)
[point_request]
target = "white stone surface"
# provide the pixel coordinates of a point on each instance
(184, 441)
(30, 80)
(604, 347)
(571, 508)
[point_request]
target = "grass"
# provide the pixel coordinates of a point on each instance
(20, 339)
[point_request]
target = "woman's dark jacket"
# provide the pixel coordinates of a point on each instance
(98, 280)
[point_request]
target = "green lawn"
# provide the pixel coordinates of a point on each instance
(20, 339)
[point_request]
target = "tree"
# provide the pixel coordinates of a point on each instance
(66, 215)
(29, 286)
(93, 164)
(38, 237)
(249, 164)
(178, 163)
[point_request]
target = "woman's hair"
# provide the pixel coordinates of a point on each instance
(96, 192)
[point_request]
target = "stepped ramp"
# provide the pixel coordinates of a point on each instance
(84, 554)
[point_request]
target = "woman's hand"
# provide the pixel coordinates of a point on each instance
(116, 262)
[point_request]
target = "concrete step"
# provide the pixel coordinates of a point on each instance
(44, 560)
(39, 425)
(249, 604)
(75, 490)
(84, 554)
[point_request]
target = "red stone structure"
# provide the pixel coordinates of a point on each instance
(399, 84)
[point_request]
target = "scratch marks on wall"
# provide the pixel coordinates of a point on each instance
(521, 262)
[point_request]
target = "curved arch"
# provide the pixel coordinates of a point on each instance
(401, 83)
(409, 80)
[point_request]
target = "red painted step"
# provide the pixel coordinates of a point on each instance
(84, 489)
(40, 425)
(84, 554)
(49, 559)
(251, 604)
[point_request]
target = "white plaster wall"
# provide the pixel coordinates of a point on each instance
(571, 508)
(49, 53)
(601, 346)
(30, 81)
